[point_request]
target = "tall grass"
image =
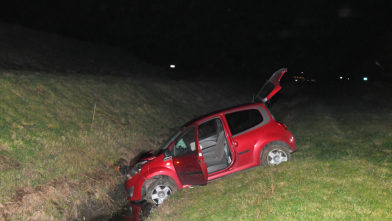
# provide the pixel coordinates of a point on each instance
(342, 169)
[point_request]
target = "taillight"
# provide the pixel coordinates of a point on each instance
(283, 125)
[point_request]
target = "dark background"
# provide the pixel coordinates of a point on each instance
(325, 39)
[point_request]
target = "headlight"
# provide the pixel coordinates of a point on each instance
(137, 168)
(130, 192)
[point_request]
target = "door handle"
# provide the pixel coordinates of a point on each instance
(199, 161)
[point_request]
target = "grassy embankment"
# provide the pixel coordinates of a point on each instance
(342, 169)
(60, 137)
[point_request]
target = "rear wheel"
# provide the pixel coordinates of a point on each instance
(274, 154)
(160, 190)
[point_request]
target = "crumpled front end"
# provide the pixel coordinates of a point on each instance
(134, 186)
(135, 181)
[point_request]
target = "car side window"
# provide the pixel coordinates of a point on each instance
(207, 129)
(243, 120)
(185, 143)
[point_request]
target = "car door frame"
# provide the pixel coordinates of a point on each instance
(229, 139)
(190, 167)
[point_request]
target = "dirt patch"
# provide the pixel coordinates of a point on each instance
(121, 162)
(62, 193)
(95, 208)
(27, 200)
(7, 163)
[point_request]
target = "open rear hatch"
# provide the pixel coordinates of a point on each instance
(271, 87)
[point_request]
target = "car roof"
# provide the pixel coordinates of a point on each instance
(226, 110)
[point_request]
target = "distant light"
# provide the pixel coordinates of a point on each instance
(302, 72)
(172, 66)
(296, 79)
(365, 78)
(341, 77)
(348, 78)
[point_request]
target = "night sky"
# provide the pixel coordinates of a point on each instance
(323, 38)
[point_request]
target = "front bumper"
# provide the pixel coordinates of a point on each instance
(133, 187)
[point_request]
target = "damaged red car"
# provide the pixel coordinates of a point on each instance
(212, 146)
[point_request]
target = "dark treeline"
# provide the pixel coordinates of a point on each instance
(204, 34)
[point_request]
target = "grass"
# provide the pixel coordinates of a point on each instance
(62, 135)
(342, 169)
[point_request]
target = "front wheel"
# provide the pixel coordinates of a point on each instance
(160, 190)
(274, 154)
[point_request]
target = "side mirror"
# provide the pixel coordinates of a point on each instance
(167, 153)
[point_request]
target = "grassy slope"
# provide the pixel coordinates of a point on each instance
(55, 159)
(50, 144)
(63, 125)
(342, 169)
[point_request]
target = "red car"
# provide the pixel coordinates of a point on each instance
(212, 146)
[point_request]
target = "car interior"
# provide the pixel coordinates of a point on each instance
(213, 142)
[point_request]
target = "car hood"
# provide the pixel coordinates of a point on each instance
(143, 156)
(272, 86)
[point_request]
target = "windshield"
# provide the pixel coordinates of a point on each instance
(172, 138)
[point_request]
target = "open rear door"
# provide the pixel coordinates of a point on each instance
(272, 86)
(190, 168)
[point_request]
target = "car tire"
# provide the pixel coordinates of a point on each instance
(160, 190)
(274, 154)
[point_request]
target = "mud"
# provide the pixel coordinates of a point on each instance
(98, 210)
(134, 211)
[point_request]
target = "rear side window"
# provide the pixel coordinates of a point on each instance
(210, 128)
(243, 120)
(207, 129)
